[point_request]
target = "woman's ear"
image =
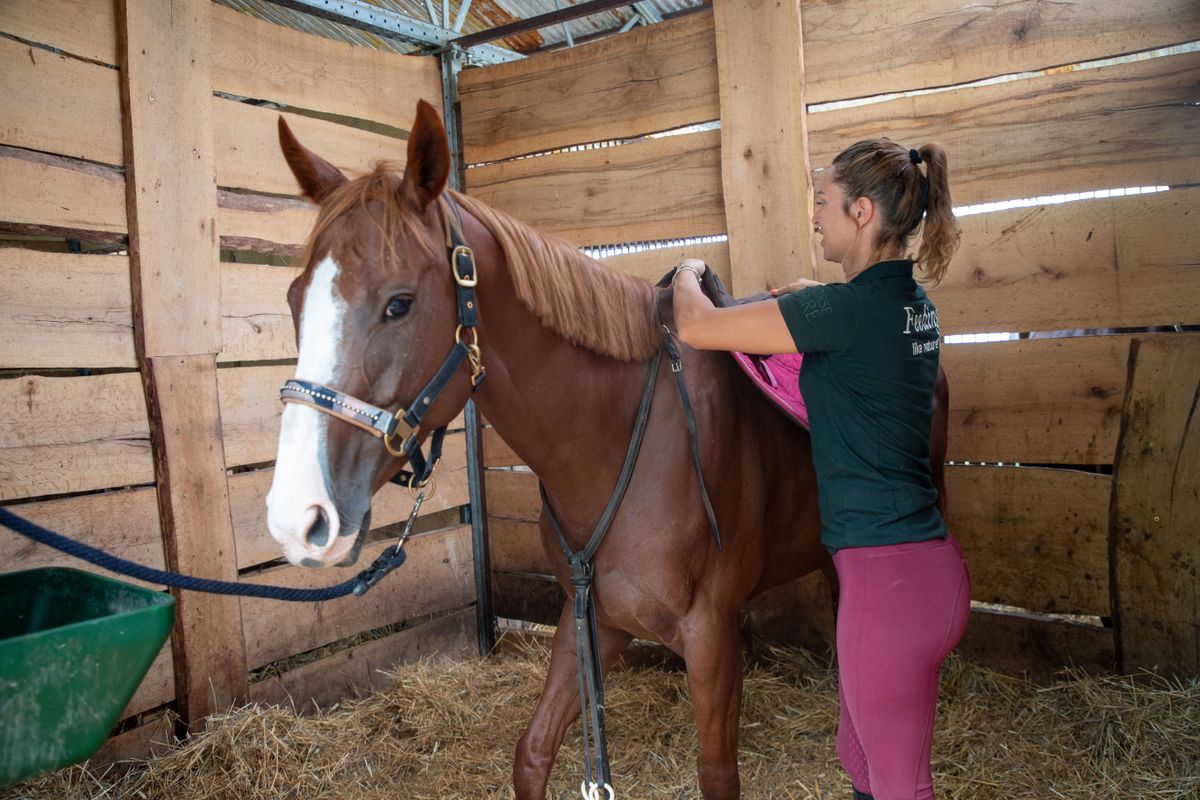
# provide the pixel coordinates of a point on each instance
(862, 211)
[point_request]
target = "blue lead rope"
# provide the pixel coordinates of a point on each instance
(387, 561)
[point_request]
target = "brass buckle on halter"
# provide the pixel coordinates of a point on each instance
(474, 354)
(404, 429)
(466, 283)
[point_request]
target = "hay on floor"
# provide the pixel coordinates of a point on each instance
(448, 731)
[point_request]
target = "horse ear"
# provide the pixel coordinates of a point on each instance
(428, 166)
(316, 176)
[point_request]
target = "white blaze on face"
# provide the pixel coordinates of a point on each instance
(298, 492)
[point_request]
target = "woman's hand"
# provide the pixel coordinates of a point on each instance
(692, 265)
(795, 286)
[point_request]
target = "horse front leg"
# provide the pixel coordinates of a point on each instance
(558, 706)
(713, 652)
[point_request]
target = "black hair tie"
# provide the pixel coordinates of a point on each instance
(914, 156)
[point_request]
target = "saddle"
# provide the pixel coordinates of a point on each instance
(776, 376)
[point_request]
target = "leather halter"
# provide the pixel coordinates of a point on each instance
(405, 423)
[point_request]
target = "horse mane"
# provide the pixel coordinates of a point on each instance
(584, 301)
(581, 299)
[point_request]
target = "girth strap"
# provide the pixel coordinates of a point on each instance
(689, 418)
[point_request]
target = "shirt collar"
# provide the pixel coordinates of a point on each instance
(899, 268)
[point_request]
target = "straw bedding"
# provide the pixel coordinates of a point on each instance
(447, 730)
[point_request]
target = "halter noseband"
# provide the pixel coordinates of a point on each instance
(405, 423)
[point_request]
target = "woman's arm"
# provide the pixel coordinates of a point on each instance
(750, 328)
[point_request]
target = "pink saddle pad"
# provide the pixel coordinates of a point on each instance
(778, 377)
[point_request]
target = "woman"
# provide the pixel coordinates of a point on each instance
(870, 366)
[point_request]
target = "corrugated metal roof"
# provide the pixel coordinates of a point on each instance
(483, 15)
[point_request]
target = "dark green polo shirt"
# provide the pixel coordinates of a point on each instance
(870, 365)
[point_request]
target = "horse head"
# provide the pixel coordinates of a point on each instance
(374, 309)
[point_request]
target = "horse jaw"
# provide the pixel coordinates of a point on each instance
(301, 489)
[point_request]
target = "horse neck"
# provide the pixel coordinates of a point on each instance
(565, 410)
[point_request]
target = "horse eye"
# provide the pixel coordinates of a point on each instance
(397, 307)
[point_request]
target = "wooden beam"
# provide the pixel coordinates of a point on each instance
(438, 576)
(65, 310)
(611, 89)
(84, 28)
(193, 504)
(764, 143)
(1070, 131)
(1045, 401)
(263, 60)
(57, 104)
(1156, 509)
(1035, 645)
(54, 196)
(262, 224)
(1034, 538)
(653, 189)
(1118, 262)
(973, 41)
(166, 91)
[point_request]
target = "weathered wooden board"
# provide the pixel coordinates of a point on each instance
(45, 194)
(277, 225)
(123, 522)
(1124, 125)
(1156, 509)
(193, 504)
(166, 97)
(1119, 262)
(516, 546)
(799, 612)
(513, 495)
(256, 321)
(653, 264)
(1034, 538)
(1044, 401)
(858, 48)
(526, 596)
(438, 576)
(156, 736)
(1038, 646)
(650, 79)
(58, 104)
(662, 188)
(391, 504)
(360, 670)
(764, 144)
(248, 154)
(250, 411)
(53, 440)
(85, 28)
(496, 452)
(259, 59)
(157, 688)
(65, 310)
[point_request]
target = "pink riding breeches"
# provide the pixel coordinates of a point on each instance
(902, 610)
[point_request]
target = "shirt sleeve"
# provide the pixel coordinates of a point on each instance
(820, 318)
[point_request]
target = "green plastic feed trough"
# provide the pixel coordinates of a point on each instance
(73, 648)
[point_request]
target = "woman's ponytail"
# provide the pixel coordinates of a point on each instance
(940, 233)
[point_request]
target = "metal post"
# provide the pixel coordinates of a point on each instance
(485, 621)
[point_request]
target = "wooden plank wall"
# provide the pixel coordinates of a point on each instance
(75, 435)
(1039, 538)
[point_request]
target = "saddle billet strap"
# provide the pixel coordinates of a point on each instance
(689, 418)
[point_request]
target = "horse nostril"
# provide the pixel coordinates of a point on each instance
(318, 532)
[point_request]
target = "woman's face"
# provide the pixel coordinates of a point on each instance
(837, 229)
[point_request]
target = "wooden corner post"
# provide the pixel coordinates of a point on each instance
(764, 143)
(166, 95)
(1156, 509)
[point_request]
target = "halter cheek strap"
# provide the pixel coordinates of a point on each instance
(405, 424)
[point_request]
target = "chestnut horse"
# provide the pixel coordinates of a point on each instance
(565, 343)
